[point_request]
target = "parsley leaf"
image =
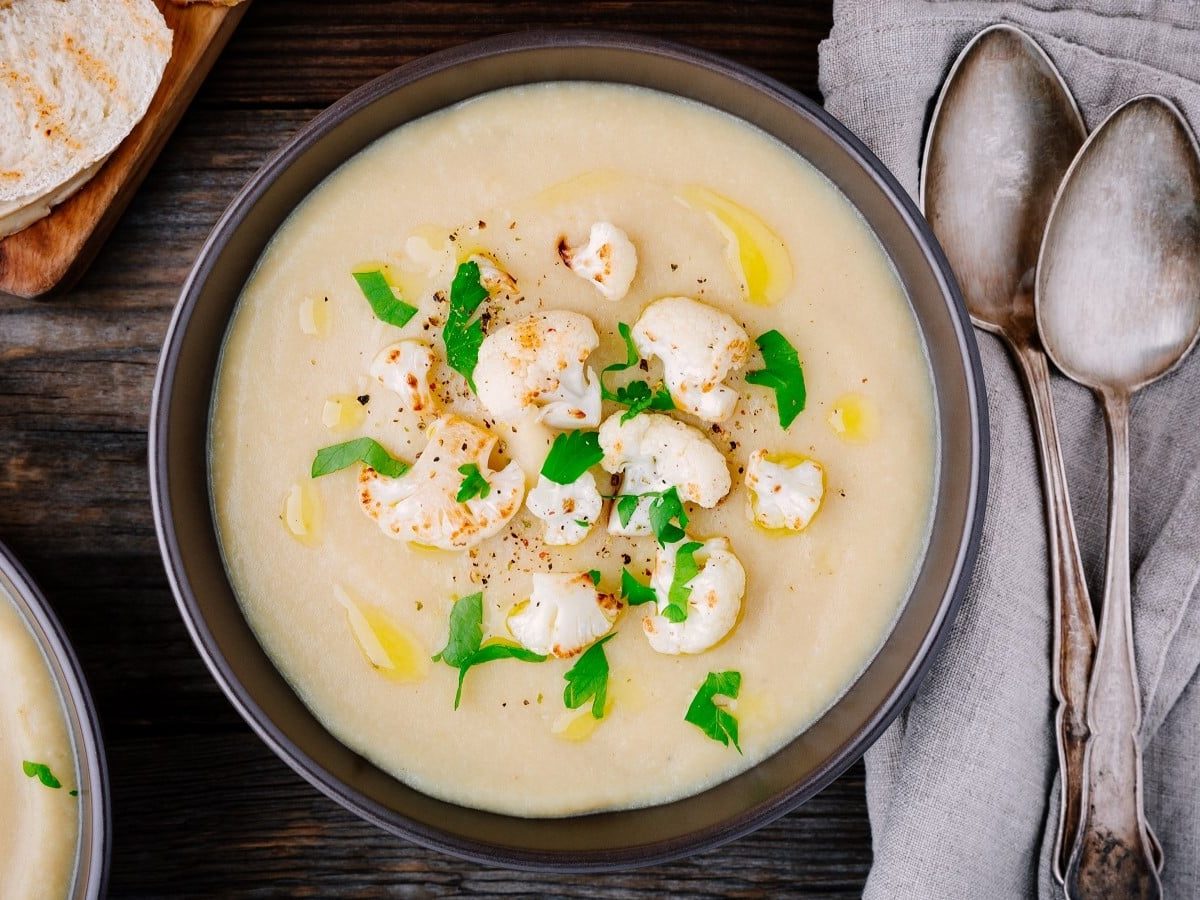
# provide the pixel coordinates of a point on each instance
(634, 592)
(490, 653)
(41, 772)
(364, 450)
(588, 679)
(716, 721)
(572, 454)
(686, 568)
(464, 647)
(594, 574)
(473, 483)
(782, 374)
(627, 505)
(384, 302)
(466, 630)
(583, 523)
(663, 508)
(637, 395)
(462, 335)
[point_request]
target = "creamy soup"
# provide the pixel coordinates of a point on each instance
(39, 807)
(341, 581)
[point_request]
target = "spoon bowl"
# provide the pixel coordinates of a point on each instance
(1003, 134)
(1118, 298)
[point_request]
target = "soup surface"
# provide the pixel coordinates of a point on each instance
(39, 814)
(718, 212)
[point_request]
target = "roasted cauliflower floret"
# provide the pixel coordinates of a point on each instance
(569, 510)
(564, 614)
(699, 346)
(493, 278)
(404, 368)
(783, 493)
(541, 362)
(714, 601)
(421, 506)
(609, 261)
(654, 452)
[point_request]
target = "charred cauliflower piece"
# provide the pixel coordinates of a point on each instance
(608, 261)
(785, 492)
(540, 362)
(421, 506)
(699, 346)
(712, 606)
(564, 614)
(654, 453)
(404, 368)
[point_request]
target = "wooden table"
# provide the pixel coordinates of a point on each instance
(200, 806)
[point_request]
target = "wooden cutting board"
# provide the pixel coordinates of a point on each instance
(53, 252)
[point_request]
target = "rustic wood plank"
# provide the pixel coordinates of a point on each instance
(271, 60)
(201, 807)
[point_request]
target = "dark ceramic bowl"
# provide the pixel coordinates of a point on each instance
(91, 863)
(179, 479)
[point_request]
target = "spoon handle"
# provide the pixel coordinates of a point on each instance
(1074, 623)
(1112, 854)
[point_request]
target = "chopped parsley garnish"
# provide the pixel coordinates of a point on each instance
(716, 721)
(634, 592)
(686, 568)
(583, 523)
(588, 679)
(384, 302)
(594, 574)
(41, 772)
(364, 450)
(465, 648)
(572, 454)
(637, 395)
(627, 505)
(782, 374)
(463, 334)
(664, 507)
(473, 483)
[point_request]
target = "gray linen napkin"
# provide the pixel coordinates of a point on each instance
(962, 788)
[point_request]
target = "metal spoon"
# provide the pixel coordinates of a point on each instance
(1118, 306)
(1003, 134)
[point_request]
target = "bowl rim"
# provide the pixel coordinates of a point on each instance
(91, 876)
(475, 850)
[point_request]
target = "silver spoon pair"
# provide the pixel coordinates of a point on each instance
(1089, 251)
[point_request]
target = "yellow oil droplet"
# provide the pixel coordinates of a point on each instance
(787, 459)
(755, 252)
(301, 512)
(342, 412)
(589, 184)
(390, 649)
(314, 315)
(853, 418)
(430, 550)
(578, 724)
(756, 708)
(629, 693)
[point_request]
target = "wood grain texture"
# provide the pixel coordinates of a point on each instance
(54, 251)
(201, 807)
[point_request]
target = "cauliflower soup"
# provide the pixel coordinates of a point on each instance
(39, 803)
(572, 449)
